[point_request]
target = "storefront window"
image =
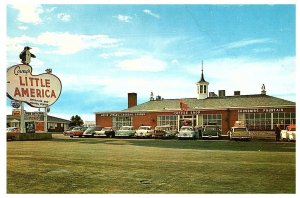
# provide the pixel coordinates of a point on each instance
(264, 121)
(167, 120)
(212, 118)
(119, 121)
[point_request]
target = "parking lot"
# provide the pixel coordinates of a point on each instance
(116, 165)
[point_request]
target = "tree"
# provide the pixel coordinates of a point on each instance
(76, 121)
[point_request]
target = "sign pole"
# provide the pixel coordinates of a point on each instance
(22, 118)
(45, 120)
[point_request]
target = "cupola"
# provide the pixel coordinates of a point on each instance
(202, 86)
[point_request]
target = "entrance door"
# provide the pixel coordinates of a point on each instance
(187, 120)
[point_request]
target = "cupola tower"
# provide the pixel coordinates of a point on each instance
(202, 87)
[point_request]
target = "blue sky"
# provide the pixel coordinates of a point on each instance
(102, 52)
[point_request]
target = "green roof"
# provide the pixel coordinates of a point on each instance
(224, 102)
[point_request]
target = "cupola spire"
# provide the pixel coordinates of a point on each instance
(202, 86)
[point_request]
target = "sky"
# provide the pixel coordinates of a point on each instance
(101, 52)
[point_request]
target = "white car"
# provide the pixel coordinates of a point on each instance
(125, 131)
(289, 133)
(106, 132)
(188, 132)
(144, 131)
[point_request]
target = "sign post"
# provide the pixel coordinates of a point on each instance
(22, 126)
(45, 120)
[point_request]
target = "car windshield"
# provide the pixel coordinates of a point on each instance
(76, 128)
(163, 128)
(211, 128)
(240, 129)
(187, 129)
(11, 129)
(106, 129)
(126, 128)
(145, 128)
(90, 129)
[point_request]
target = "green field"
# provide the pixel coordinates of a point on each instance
(100, 165)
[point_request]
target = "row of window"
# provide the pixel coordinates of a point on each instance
(254, 121)
(267, 121)
(172, 120)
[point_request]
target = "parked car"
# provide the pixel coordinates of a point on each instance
(106, 131)
(125, 131)
(11, 133)
(165, 131)
(144, 131)
(188, 132)
(210, 131)
(90, 131)
(12, 130)
(239, 132)
(76, 131)
(289, 133)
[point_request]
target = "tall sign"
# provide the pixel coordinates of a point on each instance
(39, 91)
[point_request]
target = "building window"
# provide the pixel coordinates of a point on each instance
(284, 119)
(204, 88)
(201, 88)
(267, 121)
(167, 120)
(119, 121)
(208, 119)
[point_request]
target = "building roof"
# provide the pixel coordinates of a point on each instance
(214, 103)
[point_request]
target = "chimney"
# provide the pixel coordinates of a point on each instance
(237, 93)
(132, 99)
(221, 93)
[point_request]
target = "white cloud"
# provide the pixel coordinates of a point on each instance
(175, 61)
(145, 63)
(246, 42)
(123, 18)
(149, 12)
(29, 13)
(50, 9)
(22, 27)
(64, 17)
(67, 43)
(115, 54)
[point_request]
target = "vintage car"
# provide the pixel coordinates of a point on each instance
(165, 131)
(144, 131)
(210, 131)
(188, 132)
(289, 133)
(76, 131)
(90, 132)
(106, 132)
(12, 130)
(11, 133)
(125, 131)
(239, 131)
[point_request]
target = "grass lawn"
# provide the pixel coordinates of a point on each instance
(100, 165)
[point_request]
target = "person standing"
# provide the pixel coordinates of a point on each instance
(277, 132)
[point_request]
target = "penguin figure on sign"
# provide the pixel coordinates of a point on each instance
(26, 55)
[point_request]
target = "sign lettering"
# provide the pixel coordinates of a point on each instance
(36, 90)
